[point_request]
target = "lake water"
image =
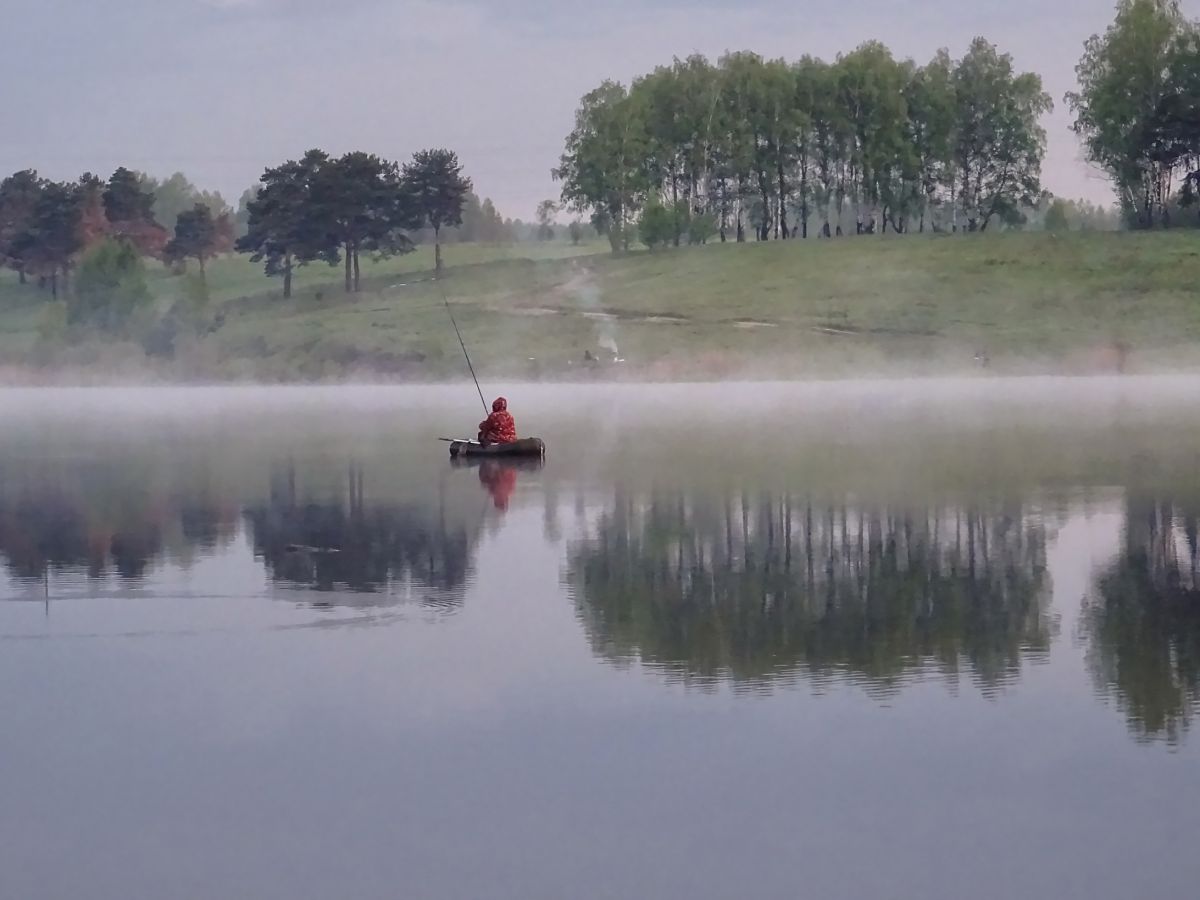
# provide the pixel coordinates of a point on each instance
(905, 639)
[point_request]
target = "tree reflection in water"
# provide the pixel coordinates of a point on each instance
(1142, 624)
(123, 519)
(758, 590)
(392, 551)
(103, 520)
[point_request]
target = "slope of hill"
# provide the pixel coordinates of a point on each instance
(1023, 302)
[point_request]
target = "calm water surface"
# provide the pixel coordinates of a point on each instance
(926, 639)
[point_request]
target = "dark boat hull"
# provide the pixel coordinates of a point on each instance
(526, 448)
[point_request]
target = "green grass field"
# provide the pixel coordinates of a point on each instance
(1030, 302)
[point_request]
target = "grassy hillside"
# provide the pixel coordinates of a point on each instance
(1027, 301)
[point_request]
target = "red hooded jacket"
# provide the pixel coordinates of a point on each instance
(499, 427)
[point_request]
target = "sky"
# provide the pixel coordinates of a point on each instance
(221, 89)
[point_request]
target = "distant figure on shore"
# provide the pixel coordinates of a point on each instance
(499, 427)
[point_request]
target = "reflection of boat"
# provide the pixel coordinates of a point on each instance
(517, 463)
(525, 447)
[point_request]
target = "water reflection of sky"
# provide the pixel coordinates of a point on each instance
(217, 726)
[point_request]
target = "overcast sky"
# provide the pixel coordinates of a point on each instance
(220, 89)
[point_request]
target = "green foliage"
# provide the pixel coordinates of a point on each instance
(176, 195)
(601, 168)
(575, 231)
(52, 235)
(357, 203)
(1137, 107)
(126, 200)
(998, 115)
(656, 227)
(110, 288)
(932, 123)
(702, 228)
(681, 218)
(435, 189)
(281, 224)
(19, 195)
(1056, 217)
(546, 211)
(869, 142)
(195, 236)
(1082, 215)
(241, 218)
(492, 225)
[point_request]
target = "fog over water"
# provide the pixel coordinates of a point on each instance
(899, 638)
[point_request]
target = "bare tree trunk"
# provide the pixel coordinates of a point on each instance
(54, 282)
(804, 200)
(357, 282)
(287, 275)
(783, 225)
(764, 231)
(437, 249)
(675, 205)
(349, 264)
(21, 274)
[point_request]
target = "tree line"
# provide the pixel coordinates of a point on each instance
(870, 143)
(792, 149)
(317, 208)
(46, 226)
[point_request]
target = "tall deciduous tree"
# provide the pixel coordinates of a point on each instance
(931, 130)
(1176, 124)
(436, 188)
(762, 142)
(1125, 78)
(999, 142)
(871, 88)
(601, 169)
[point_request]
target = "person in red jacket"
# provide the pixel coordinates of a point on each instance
(499, 427)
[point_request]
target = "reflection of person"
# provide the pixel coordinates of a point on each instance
(499, 427)
(500, 481)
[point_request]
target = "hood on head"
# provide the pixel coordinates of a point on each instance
(500, 405)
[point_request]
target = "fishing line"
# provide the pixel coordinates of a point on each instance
(461, 343)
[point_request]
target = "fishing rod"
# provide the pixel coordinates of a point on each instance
(466, 355)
